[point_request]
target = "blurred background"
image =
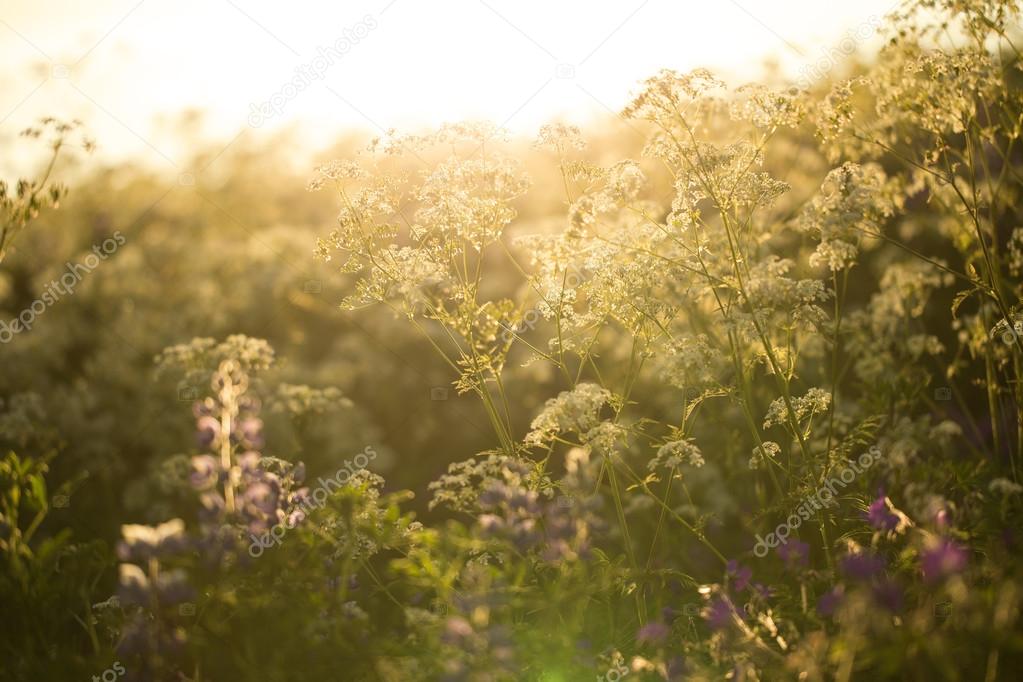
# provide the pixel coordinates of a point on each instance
(152, 78)
(209, 118)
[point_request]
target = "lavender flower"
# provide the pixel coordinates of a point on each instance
(943, 559)
(207, 431)
(740, 574)
(719, 613)
(830, 601)
(795, 553)
(206, 472)
(862, 565)
(880, 516)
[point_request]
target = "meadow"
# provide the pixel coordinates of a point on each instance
(726, 387)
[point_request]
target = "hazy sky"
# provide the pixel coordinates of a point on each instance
(129, 68)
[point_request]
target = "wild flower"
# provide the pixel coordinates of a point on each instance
(795, 553)
(720, 613)
(815, 401)
(576, 411)
(674, 454)
(653, 632)
(852, 203)
(879, 516)
(675, 346)
(830, 600)
(763, 454)
(863, 565)
(739, 574)
(942, 558)
(31, 195)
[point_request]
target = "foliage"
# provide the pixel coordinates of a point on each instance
(748, 415)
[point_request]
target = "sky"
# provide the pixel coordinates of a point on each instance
(130, 69)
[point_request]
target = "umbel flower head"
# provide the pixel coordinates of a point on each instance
(576, 411)
(676, 453)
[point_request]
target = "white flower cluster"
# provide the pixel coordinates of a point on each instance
(852, 200)
(576, 411)
(816, 401)
(675, 453)
(767, 451)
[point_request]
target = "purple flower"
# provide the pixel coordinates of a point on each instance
(795, 553)
(880, 516)
(862, 565)
(830, 600)
(491, 524)
(719, 614)
(213, 506)
(207, 430)
(249, 432)
(260, 499)
(249, 461)
(653, 632)
(205, 472)
(888, 595)
(494, 495)
(172, 587)
(942, 560)
(294, 517)
(741, 574)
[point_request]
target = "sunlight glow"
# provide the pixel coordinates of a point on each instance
(128, 68)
